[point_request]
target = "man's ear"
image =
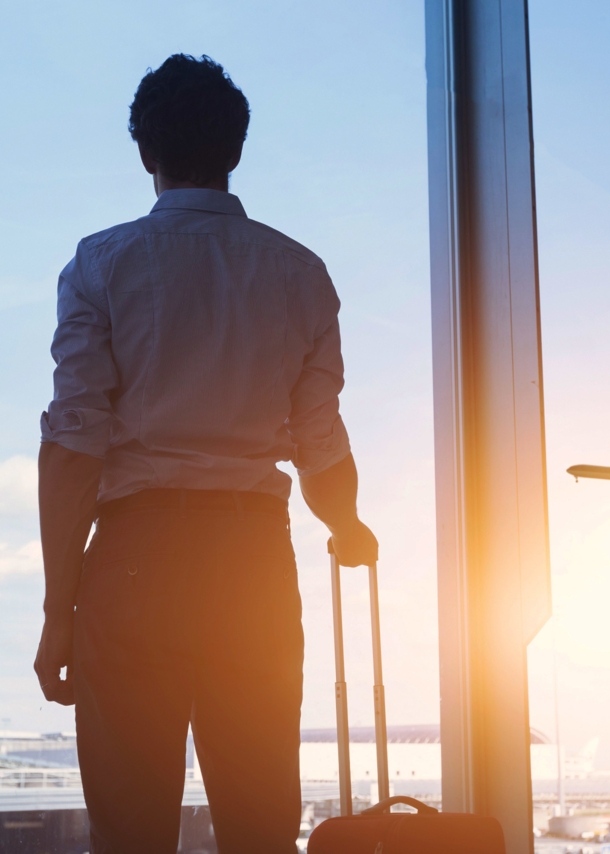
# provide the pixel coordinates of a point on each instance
(234, 161)
(148, 161)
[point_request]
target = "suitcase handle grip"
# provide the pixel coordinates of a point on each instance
(382, 806)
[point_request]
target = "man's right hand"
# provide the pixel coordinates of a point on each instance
(355, 546)
(55, 653)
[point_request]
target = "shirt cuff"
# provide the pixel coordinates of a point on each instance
(310, 461)
(86, 431)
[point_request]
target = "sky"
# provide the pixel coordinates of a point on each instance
(571, 85)
(336, 158)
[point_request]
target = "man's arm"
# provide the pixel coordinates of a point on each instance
(327, 472)
(68, 486)
(76, 436)
(331, 496)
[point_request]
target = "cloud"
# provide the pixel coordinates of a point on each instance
(18, 485)
(24, 560)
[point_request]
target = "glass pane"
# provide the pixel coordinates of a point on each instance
(570, 76)
(335, 158)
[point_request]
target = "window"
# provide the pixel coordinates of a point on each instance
(336, 158)
(570, 73)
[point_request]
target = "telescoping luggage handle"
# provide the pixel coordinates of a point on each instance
(381, 736)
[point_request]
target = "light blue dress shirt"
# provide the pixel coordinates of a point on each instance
(196, 348)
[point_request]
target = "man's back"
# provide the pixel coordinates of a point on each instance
(194, 349)
(213, 340)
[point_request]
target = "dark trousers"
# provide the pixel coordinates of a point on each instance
(190, 614)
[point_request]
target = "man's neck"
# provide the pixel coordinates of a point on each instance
(162, 183)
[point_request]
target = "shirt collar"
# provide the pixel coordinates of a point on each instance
(193, 199)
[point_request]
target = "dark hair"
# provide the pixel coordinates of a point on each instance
(190, 116)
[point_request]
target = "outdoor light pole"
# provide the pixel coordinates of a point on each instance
(561, 793)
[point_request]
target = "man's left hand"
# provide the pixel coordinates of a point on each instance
(54, 653)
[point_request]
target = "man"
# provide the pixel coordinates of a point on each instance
(195, 348)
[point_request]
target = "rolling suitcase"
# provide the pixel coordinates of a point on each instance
(376, 830)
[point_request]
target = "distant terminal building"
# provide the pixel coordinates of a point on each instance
(49, 750)
(413, 734)
(414, 753)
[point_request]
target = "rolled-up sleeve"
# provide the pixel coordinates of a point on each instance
(315, 425)
(80, 415)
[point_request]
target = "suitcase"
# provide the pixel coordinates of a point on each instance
(376, 830)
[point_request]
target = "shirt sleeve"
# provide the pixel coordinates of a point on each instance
(80, 415)
(315, 425)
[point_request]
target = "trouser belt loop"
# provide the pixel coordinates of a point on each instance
(239, 505)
